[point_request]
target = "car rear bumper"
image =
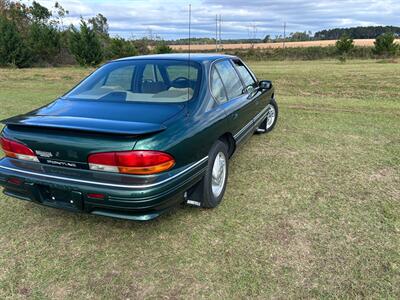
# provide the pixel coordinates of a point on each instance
(126, 196)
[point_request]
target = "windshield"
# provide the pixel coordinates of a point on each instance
(141, 81)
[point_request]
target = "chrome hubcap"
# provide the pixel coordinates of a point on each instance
(271, 115)
(218, 174)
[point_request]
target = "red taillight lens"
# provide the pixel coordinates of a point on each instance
(5, 144)
(17, 150)
(96, 196)
(132, 162)
(15, 181)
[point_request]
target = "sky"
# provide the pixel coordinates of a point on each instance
(241, 18)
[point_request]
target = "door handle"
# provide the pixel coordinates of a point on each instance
(234, 116)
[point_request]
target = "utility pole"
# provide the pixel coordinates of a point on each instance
(220, 31)
(190, 28)
(216, 33)
(252, 34)
(284, 35)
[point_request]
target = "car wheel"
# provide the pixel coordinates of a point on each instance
(216, 176)
(272, 117)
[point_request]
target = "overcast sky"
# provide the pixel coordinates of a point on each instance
(168, 19)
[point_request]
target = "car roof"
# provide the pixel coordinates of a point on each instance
(197, 57)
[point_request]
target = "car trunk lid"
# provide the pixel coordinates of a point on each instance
(65, 132)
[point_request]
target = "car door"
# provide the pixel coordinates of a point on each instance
(251, 87)
(235, 101)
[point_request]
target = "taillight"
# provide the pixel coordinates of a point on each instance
(96, 196)
(141, 162)
(17, 150)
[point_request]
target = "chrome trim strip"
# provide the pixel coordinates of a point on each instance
(254, 120)
(144, 186)
(243, 129)
(262, 112)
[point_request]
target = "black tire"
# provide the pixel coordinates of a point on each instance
(209, 199)
(263, 128)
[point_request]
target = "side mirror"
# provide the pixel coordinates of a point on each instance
(265, 85)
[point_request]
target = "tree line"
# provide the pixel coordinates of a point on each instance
(32, 35)
(368, 32)
(365, 32)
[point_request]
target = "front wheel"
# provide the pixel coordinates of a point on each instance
(272, 117)
(216, 177)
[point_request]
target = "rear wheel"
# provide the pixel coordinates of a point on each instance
(272, 117)
(215, 179)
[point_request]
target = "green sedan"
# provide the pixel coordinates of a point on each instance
(139, 136)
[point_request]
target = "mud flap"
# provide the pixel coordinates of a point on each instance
(194, 196)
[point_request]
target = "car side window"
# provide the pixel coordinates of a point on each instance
(151, 74)
(217, 87)
(230, 78)
(179, 71)
(247, 77)
(120, 78)
(152, 80)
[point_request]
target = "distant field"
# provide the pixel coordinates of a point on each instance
(270, 45)
(311, 210)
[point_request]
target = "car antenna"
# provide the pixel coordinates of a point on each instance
(190, 25)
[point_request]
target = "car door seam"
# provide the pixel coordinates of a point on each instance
(253, 121)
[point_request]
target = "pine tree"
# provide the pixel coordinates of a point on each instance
(120, 47)
(162, 48)
(85, 45)
(13, 50)
(344, 46)
(385, 45)
(45, 42)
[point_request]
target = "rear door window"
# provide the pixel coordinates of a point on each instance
(217, 87)
(230, 78)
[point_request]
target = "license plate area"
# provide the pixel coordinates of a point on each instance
(60, 198)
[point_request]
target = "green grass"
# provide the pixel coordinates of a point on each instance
(311, 210)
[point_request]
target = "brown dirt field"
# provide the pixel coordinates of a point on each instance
(327, 43)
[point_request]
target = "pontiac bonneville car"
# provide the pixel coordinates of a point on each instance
(138, 136)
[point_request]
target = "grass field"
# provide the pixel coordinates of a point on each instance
(311, 210)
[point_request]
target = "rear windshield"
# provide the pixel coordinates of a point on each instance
(141, 81)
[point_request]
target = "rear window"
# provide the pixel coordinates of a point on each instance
(141, 81)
